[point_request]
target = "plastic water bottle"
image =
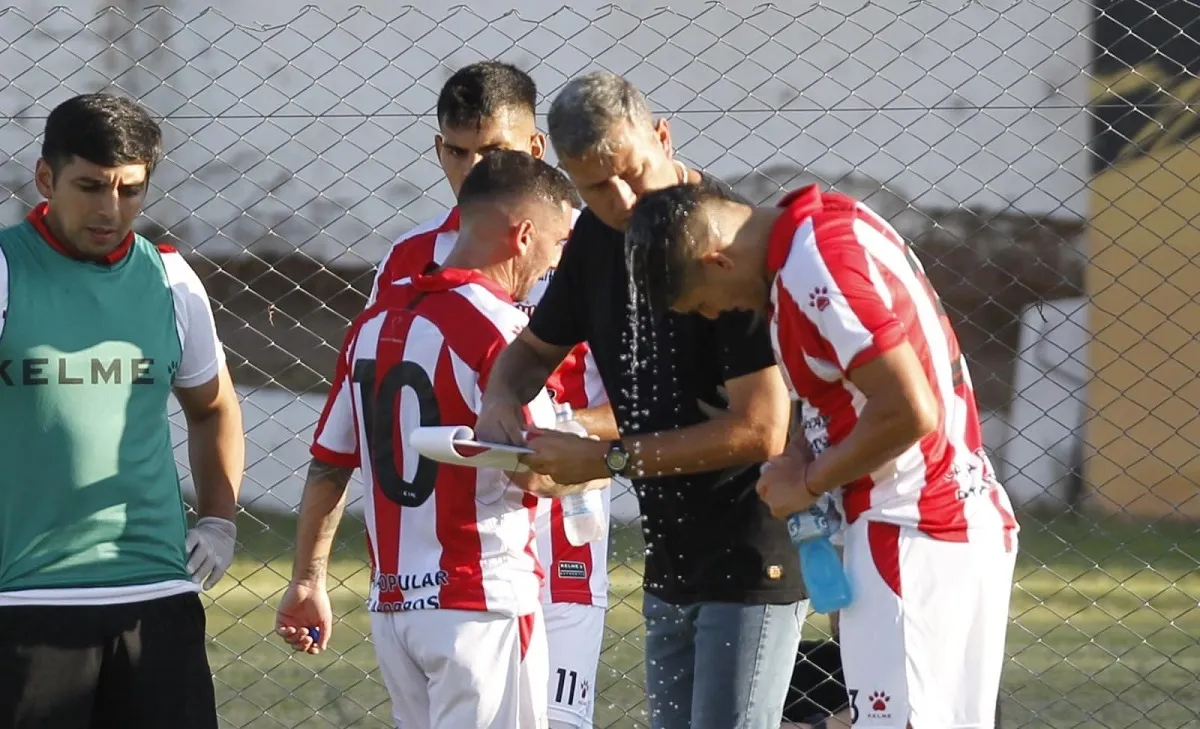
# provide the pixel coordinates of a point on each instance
(583, 517)
(583, 513)
(820, 565)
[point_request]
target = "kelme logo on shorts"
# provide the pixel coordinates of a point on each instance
(572, 570)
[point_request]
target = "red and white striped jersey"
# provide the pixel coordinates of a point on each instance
(576, 575)
(847, 288)
(439, 536)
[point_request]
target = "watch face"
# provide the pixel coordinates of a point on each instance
(617, 460)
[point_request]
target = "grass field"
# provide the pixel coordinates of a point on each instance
(1104, 633)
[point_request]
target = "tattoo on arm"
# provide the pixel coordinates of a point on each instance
(320, 471)
(317, 569)
(319, 518)
(330, 524)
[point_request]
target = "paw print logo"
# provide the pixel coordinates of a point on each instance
(819, 298)
(879, 701)
(583, 690)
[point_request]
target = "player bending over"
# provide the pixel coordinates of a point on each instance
(454, 606)
(890, 422)
(484, 107)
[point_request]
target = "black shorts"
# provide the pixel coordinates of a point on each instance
(138, 665)
(818, 688)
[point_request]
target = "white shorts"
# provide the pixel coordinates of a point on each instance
(458, 668)
(574, 634)
(923, 639)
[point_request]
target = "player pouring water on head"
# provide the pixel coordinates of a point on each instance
(889, 418)
(454, 599)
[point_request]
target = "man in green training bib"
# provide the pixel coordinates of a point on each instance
(100, 621)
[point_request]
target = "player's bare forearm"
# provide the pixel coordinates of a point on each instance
(599, 421)
(217, 452)
(321, 509)
(752, 429)
(546, 487)
(900, 410)
(877, 438)
(216, 444)
(521, 370)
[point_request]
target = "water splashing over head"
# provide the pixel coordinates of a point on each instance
(657, 264)
(653, 278)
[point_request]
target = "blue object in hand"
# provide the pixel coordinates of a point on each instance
(315, 633)
(820, 565)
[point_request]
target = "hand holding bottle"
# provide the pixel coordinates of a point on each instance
(583, 512)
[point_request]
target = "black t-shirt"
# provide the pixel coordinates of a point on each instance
(708, 536)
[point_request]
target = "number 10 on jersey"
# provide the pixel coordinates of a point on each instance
(380, 401)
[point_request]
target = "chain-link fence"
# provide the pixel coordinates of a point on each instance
(1038, 153)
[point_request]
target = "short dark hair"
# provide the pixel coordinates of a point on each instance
(480, 91)
(103, 129)
(505, 173)
(661, 252)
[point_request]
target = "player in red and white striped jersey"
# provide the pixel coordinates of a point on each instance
(889, 420)
(482, 107)
(575, 575)
(454, 600)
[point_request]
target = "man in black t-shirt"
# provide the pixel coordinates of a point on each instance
(699, 404)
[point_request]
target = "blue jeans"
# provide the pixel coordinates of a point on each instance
(715, 665)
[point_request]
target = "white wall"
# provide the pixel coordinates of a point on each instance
(946, 102)
(1041, 442)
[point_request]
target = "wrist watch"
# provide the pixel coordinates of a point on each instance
(617, 459)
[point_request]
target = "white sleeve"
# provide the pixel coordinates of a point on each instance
(593, 384)
(335, 440)
(541, 411)
(202, 354)
(3, 290)
(834, 281)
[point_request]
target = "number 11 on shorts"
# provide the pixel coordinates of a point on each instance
(567, 683)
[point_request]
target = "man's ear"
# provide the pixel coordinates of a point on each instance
(43, 178)
(537, 146)
(662, 132)
(437, 145)
(522, 237)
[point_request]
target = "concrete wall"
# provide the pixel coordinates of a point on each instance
(1038, 444)
(945, 103)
